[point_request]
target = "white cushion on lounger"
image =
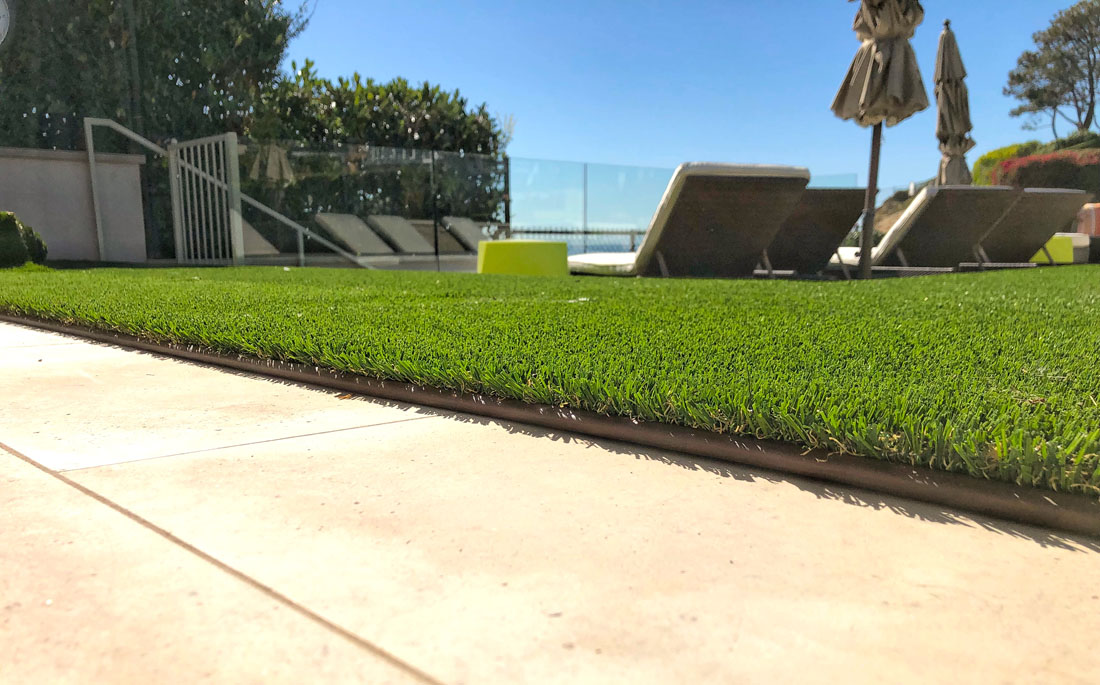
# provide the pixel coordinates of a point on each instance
(254, 243)
(850, 255)
(603, 263)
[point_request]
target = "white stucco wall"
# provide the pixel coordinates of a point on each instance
(50, 191)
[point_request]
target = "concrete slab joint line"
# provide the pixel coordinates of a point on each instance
(252, 443)
(1060, 511)
(265, 589)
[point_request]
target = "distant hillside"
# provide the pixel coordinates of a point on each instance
(888, 213)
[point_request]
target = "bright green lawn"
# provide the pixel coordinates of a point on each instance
(996, 374)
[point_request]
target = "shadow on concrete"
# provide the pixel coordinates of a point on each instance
(852, 496)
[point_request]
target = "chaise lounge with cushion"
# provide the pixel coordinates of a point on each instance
(942, 228)
(811, 235)
(354, 235)
(1036, 216)
(714, 221)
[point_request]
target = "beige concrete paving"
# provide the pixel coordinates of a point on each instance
(12, 337)
(89, 595)
(486, 552)
(124, 406)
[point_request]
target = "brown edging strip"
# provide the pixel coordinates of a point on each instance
(1067, 512)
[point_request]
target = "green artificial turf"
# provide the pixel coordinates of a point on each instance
(995, 374)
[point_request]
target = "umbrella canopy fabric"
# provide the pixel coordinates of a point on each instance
(953, 125)
(273, 165)
(883, 84)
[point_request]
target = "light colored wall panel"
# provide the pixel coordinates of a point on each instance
(50, 190)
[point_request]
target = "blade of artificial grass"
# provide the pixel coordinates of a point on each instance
(990, 374)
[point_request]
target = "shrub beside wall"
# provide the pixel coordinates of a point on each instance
(19, 243)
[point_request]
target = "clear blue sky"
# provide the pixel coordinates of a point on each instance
(647, 83)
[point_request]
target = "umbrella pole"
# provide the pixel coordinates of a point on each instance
(866, 238)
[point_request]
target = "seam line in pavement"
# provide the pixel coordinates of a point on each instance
(248, 444)
(240, 575)
(27, 347)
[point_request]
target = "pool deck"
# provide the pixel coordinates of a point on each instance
(162, 521)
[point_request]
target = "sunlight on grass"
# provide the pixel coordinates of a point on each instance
(991, 374)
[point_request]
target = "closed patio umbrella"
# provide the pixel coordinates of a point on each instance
(953, 125)
(883, 85)
(272, 167)
(272, 164)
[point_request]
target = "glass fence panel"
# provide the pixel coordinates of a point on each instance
(834, 181)
(374, 202)
(546, 194)
(370, 201)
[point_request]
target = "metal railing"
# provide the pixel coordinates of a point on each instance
(580, 240)
(206, 198)
(592, 207)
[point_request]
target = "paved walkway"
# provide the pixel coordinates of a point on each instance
(162, 521)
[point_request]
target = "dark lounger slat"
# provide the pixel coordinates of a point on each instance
(820, 223)
(952, 225)
(720, 225)
(1038, 215)
(349, 231)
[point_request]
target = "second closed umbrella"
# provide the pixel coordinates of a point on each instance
(953, 125)
(883, 85)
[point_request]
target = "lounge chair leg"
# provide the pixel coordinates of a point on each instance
(843, 266)
(1050, 257)
(901, 258)
(662, 265)
(984, 256)
(978, 257)
(767, 264)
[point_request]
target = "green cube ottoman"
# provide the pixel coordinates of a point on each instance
(1065, 248)
(523, 257)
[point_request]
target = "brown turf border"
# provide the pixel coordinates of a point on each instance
(1069, 512)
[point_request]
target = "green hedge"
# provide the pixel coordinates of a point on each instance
(1064, 169)
(19, 243)
(1078, 140)
(987, 163)
(986, 166)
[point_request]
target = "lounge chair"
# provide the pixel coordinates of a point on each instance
(941, 229)
(255, 245)
(447, 243)
(466, 231)
(810, 236)
(397, 231)
(350, 231)
(714, 221)
(1038, 214)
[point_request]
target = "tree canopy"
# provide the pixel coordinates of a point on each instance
(187, 69)
(337, 134)
(308, 109)
(190, 68)
(1059, 79)
(166, 68)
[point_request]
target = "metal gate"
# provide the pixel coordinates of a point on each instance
(206, 200)
(205, 184)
